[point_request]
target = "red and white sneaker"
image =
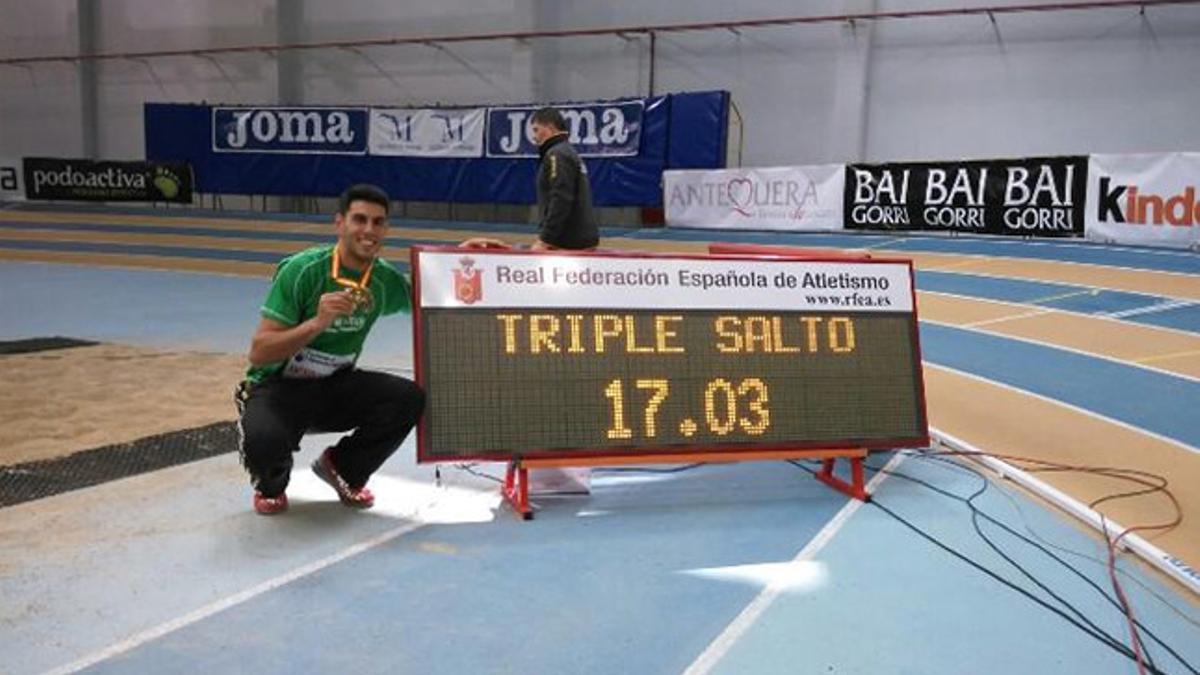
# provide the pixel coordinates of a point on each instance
(323, 467)
(269, 506)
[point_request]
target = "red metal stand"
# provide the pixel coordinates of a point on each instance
(856, 488)
(515, 489)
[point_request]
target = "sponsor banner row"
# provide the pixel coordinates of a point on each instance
(609, 129)
(1133, 199)
(52, 178)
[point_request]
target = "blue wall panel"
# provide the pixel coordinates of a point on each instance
(678, 131)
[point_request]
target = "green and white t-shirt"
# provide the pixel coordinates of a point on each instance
(296, 290)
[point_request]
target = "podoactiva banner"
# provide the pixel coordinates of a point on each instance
(779, 198)
(1033, 196)
(49, 178)
(11, 187)
(1144, 199)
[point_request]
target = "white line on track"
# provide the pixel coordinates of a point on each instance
(1183, 445)
(138, 639)
(719, 647)
(1132, 363)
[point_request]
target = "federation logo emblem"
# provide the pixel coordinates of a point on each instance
(468, 282)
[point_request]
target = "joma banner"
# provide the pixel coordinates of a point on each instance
(325, 131)
(1145, 199)
(1036, 196)
(100, 181)
(610, 129)
(427, 132)
(779, 198)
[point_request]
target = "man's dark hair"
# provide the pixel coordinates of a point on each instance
(551, 117)
(363, 192)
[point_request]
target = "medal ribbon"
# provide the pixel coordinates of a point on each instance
(358, 288)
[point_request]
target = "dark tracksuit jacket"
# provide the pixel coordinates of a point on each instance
(565, 218)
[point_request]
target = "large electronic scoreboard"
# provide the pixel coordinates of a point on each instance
(532, 355)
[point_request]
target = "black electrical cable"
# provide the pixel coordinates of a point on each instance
(1114, 473)
(470, 468)
(647, 469)
(1102, 638)
(977, 513)
(969, 501)
(1020, 510)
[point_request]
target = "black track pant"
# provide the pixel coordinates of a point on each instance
(381, 409)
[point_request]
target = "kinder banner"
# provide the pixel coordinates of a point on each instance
(1144, 199)
(610, 129)
(327, 131)
(12, 187)
(427, 132)
(781, 198)
(88, 180)
(1040, 196)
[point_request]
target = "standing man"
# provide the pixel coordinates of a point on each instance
(565, 218)
(302, 376)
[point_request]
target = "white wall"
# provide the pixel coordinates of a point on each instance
(1098, 80)
(39, 105)
(456, 73)
(147, 25)
(1079, 82)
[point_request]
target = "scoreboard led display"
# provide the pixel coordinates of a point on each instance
(528, 355)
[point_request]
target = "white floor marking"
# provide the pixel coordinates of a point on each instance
(719, 647)
(421, 502)
(1183, 445)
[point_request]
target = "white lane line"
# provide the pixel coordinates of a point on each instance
(1061, 282)
(1002, 319)
(173, 625)
(1098, 266)
(1062, 296)
(886, 242)
(719, 647)
(1131, 363)
(1183, 445)
(1151, 309)
(1059, 310)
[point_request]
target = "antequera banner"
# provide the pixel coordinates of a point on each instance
(781, 198)
(1144, 199)
(1034, 196)
(427, 132)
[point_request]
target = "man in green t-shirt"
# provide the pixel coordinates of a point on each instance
(302, 376)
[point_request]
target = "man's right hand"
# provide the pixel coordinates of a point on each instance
(484, 242)
(275, 341)
(332, 305)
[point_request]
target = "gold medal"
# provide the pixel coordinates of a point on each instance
(364, 300)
